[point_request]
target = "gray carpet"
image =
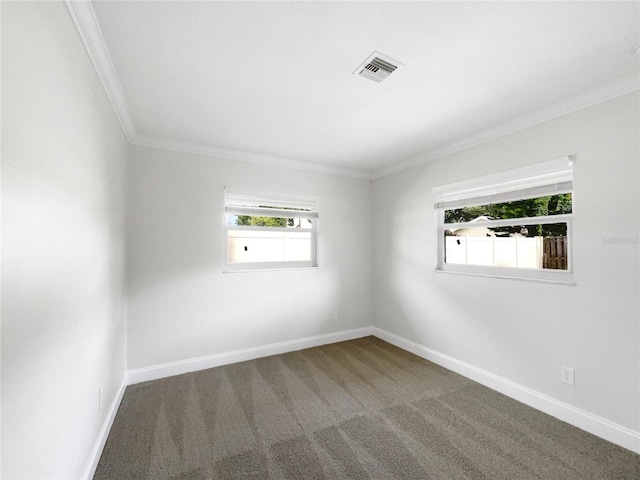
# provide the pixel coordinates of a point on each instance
(359, 409)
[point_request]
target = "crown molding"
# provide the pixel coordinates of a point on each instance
(86, 23)
(242, 156)
(84, 18)
(573, 104)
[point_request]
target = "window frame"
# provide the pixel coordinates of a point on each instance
(542, 179)
(307, 202)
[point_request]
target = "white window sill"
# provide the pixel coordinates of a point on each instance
(274, 269)
(568, 282)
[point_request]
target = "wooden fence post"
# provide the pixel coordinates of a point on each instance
(555, 253)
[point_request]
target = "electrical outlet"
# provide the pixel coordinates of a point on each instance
(567, 375)
(334, 316)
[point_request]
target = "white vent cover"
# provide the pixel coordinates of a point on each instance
(377, 67)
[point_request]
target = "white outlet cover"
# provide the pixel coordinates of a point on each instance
(567, 375)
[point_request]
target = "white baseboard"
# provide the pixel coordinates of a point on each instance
(601, 427)
(194, 364)
(98, 446)
(584, 420)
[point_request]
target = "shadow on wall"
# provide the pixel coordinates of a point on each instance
(182, 305)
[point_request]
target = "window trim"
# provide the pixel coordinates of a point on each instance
(308, 202)
(546, 178)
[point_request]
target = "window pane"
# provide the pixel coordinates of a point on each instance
(533, 207)
(257, 221)
(268, 246)
(518, 246)
(258, 204)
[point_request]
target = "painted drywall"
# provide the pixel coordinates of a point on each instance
(181, 304)
(63, 291)
(524, 331)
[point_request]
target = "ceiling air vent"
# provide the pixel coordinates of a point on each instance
(377, 67)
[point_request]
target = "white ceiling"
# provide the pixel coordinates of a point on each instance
(273, 80)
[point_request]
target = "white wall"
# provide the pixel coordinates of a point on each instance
(64, 327)
(63, 300)
(525, 331)
(181, 305)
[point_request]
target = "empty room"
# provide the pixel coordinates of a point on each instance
(320, 240)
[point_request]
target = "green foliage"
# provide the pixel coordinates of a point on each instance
(261, 221)
(534, 207)
(256, 221)
(560, 204)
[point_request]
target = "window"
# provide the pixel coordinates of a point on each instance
(270, 230)
(513, 224)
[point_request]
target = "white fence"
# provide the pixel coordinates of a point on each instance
(268, 246)
(522, 252)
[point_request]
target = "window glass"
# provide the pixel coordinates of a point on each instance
(270, 230)
(516, 223)
(518, 246)
(258, 221)
(531, 207)
(268, 246)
